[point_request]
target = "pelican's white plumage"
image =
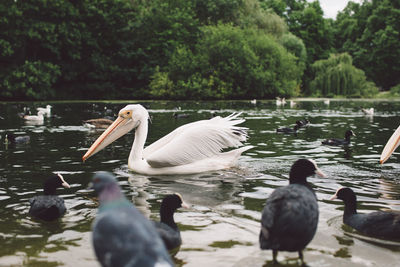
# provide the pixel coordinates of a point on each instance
(192, 148)
(391, 145)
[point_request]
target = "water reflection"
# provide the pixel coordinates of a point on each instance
(222, 226)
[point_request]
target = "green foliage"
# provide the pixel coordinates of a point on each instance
(252, 15)
(230, 62)
(33, 80)
(337, 76)
(87, 40)
(187, 49)
(370, 33)
(305, 20)
(395, 90)
(211, 12)
(295, 46)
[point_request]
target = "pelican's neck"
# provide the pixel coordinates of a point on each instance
(138, 144)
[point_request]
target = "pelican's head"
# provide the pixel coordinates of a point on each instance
(129, 118)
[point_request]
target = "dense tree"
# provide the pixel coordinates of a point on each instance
(76, 47)
(337, 76)
(295, 46)
(187, 49)
(305, 20)
(229, 62)
(370, 33)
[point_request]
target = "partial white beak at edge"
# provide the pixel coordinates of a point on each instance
(391, 145)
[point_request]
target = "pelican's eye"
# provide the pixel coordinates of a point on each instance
(126, 114)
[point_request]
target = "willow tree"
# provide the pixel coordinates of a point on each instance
(337, 76)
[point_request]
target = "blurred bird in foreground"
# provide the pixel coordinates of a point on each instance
(122, 236)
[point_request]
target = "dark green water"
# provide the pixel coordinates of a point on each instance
(221, 228)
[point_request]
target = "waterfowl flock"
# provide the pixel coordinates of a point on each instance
(123, 236)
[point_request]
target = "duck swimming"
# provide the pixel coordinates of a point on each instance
(101, 123)
(368, 111)
(379, 224)
(302, 123)
(35, 118)
(49, 206)
(167, 227)
(339, 142)
(46, 111)
(286, 130)
(13, 140)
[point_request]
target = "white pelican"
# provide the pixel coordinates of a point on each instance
(192, 148)
(46, 111)
(391, 145)
(37, 118)
(327, 102)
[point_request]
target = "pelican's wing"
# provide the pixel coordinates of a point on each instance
(196, 141)
(391, 146)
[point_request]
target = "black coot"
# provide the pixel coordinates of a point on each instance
(379, 224)
(49, 206)
(286, 130)
(12, 139)
(122, 236)
(339, 142)
(302, 123)
(167, 227)
(290, 216)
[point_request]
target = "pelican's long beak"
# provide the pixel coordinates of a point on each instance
(391, 146)
(118, 128)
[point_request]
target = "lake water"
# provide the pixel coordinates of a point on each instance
(221, 228)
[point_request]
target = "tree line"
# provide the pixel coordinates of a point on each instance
(195, 49)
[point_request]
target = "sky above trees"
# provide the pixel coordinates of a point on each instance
(332, 7)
